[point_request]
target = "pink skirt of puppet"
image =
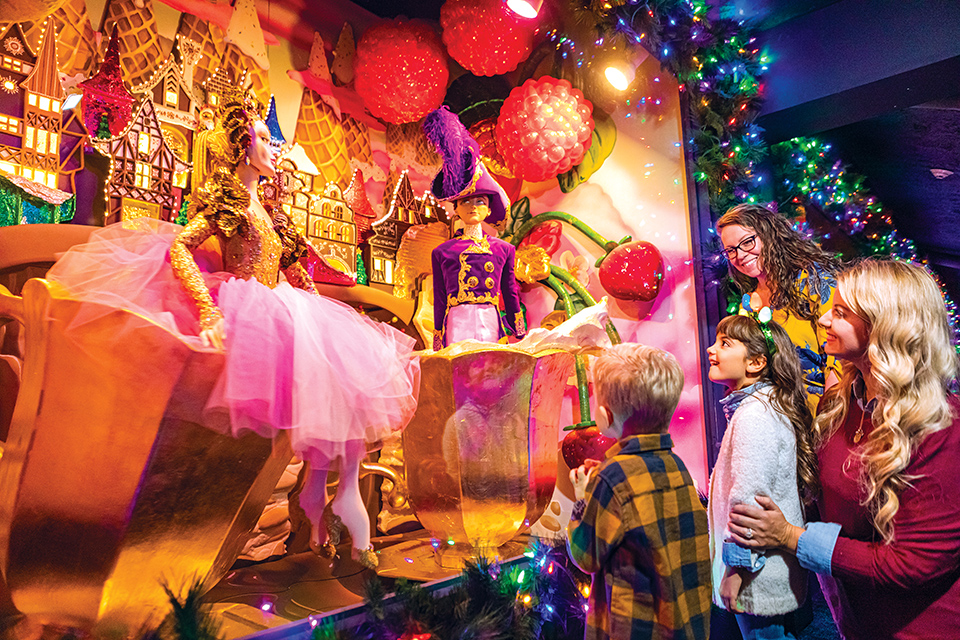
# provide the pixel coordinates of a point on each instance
(293, 360)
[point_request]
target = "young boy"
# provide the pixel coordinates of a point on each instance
(638, 524)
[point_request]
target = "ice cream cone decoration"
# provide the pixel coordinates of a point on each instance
(140, 49)
(76, 42)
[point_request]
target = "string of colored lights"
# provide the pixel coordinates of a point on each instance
(720, 64)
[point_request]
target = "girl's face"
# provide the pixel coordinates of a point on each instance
(847, 333)
(259, 153)
(742, 246)
(730, 365)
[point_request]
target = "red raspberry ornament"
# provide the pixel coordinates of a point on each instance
(401, 70)
(544, 128)
(484, 36)
(580, 444)
(633, 271)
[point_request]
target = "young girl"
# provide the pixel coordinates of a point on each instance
(766, 450)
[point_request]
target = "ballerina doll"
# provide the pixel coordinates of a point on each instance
(293, 359)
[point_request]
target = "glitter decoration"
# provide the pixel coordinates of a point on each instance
(544, 128)
(401, 70)
(485, 37)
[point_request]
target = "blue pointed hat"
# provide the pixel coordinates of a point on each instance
(463, 173)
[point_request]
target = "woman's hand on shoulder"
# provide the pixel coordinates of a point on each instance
(763, 527)
(214, 335)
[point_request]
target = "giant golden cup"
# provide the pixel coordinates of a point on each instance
(108, 486)
(481, 450)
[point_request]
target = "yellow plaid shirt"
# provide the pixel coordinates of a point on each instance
(643, 535)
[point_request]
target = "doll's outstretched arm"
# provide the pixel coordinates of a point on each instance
(187, 271)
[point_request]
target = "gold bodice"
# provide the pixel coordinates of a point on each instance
(251, 250)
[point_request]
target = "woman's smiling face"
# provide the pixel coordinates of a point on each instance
(742, 246)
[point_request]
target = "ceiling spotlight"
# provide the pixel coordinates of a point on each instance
(940, 174)
(525, 8)
(620, 75)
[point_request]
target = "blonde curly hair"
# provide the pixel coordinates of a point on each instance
(913, 361)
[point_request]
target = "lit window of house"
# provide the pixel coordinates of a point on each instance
(52, 144)
(388, 269)
(39, 176)
(55, 106)
(142, 179)
(143, 143)
(52, 180)
(9, 124)
(378, 273)
(41, 145)
(11, 63)
(171, 98)
(32, 99)
(213, 99)
(28, 173)
(44, 103)
(28, 139)
(8, 167)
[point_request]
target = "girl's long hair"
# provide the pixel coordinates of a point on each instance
(913, 361)
(784, 373)
(784, 253)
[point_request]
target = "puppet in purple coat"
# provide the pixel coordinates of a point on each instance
(472, 271)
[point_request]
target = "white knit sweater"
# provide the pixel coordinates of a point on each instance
(758, 456)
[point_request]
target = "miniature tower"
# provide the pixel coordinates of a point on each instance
(42, 118)
(106, 103)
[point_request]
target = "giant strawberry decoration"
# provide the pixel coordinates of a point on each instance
(581, 444)
(633, 271)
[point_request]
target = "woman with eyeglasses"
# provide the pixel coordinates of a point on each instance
(887, 551)
(778, 268)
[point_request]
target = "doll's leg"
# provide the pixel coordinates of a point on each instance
(313, 498)
(348, 504)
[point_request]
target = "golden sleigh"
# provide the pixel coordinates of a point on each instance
(109, 486)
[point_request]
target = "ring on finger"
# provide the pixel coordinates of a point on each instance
(749, 534)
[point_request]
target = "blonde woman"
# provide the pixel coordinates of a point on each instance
(888, 549)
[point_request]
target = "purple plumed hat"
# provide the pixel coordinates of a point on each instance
(462, 174)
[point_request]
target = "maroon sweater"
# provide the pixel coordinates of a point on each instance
(909, 589)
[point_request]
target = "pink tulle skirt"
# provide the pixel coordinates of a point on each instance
(294, 360)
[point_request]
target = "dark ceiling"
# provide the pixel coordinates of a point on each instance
(879, 79)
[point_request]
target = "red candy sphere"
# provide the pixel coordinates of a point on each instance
(544, 128)
(633, 271)
(485, 37)
(580, 444)
(401, 70)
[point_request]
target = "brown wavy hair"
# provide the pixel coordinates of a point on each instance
(784, 253)
(784, 372)
(911, 355)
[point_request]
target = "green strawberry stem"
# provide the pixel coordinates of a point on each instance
(567, 278)
(583, 392)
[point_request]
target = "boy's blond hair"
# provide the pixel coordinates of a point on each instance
(640, 385)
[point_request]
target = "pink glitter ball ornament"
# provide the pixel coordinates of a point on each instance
(544, 128)
(485, 37)
(401, 70)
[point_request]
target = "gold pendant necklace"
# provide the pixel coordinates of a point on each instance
(858, 434)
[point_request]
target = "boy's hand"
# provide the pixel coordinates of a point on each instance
(730, 587)
(580, 477)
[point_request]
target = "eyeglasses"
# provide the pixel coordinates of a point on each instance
(746, 245)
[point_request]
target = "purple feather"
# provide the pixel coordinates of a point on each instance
(454, 144)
